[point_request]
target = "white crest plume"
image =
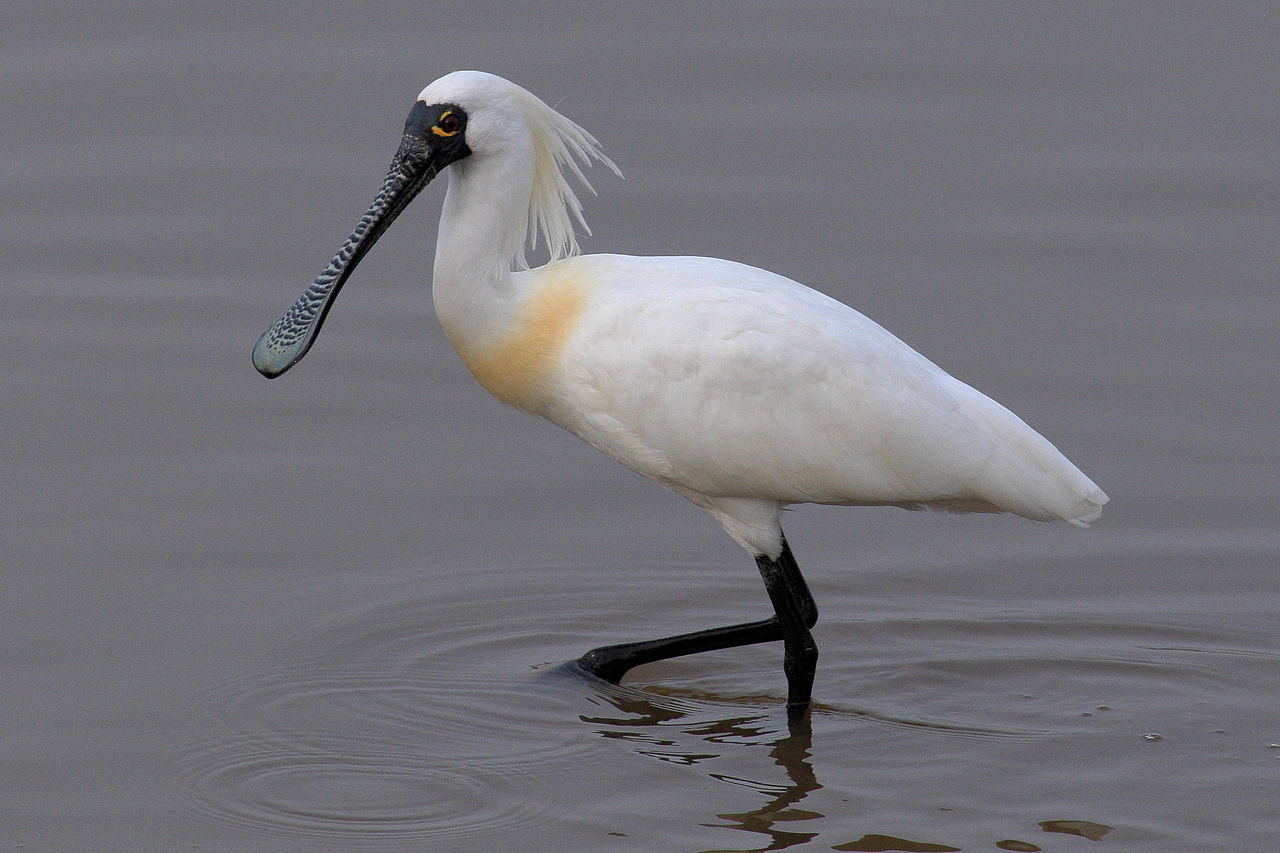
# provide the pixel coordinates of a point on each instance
(554, 207)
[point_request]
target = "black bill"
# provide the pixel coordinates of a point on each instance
(420, 157)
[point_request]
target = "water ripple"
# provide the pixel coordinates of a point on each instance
(369, 787)
(383, 726)
(402, 715)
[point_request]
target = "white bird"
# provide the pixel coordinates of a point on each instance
(733, 387)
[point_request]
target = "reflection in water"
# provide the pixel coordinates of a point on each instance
(1018, 846)
(790, 752)
(885, 843)
(654, 722)
(1083, 828)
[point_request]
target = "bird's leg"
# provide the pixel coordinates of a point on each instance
(613, 662)
(794, 614)
(795, 583)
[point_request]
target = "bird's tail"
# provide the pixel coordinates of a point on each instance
(1028, 476)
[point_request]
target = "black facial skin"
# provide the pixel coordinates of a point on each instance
(442, 127)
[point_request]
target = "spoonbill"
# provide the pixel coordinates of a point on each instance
(733, 387)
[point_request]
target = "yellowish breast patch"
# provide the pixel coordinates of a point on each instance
(518, 368)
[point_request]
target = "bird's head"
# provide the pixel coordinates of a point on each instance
(466, 114)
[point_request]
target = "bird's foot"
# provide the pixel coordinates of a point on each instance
(603, 664)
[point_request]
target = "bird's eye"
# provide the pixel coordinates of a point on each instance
(450, 123)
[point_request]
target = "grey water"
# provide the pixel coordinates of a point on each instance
(330, 611)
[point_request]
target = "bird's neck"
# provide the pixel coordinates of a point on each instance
(484, 220)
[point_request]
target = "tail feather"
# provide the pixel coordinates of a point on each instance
(1030, 477)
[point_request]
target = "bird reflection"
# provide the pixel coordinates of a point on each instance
(642, 720)
(791, 753)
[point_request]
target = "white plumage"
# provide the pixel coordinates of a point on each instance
(736, 388)
(725, 381)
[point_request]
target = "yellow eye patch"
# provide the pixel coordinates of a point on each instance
(447, 126)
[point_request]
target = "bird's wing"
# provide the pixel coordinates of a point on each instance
(727, 380)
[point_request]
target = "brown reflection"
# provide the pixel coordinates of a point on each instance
(885, 843)
(790, 752)
(1018, 846)
(1083, 828)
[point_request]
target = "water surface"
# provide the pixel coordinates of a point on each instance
(330, 611)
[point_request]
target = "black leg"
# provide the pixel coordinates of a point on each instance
(795, 582)
(794, 614)
(788, 592)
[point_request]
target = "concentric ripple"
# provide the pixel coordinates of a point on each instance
(283, 785)
(465, 716)
(382, 725)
